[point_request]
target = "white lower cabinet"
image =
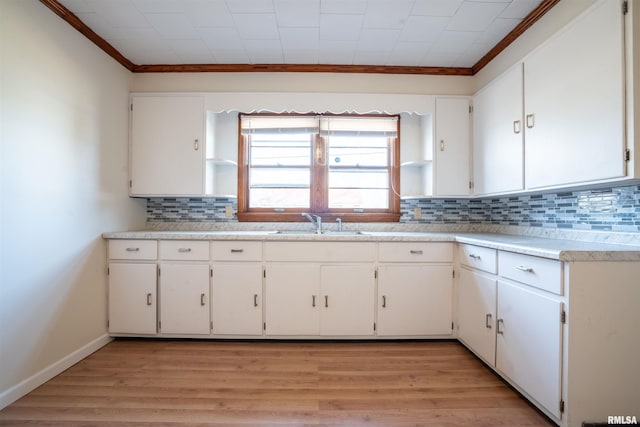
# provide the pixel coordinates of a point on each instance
(307, 299)
(477, 313)
(529, 343)
(414, 300)
(132, 298)
(184, 299)
(236, 298)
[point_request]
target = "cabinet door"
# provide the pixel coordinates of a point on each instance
(184, 298)
(529, 343)
(132, 298)
(414, 300)
(574, 99)
(167, 145)
(236, 298)
(452, 147)
(477, 313)
(347, 299)
(292, 299)
(498, 151)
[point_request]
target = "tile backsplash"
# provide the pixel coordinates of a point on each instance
(607, 209)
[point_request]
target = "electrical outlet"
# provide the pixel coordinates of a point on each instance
(228, 211)
(417, 213)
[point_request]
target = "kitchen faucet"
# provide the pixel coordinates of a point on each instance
(317, 222)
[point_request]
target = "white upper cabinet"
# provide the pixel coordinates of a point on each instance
(574, 102)
(167, 145)
(452, 169)
(498, 148)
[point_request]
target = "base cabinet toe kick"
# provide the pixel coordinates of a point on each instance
(562, 333)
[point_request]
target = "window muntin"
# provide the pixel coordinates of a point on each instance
(337, 165)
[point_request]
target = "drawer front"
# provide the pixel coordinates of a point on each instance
(236, 251)
(133, 249)
(485, 259)
(539, 272)
(184, 250)
(415, 252)
(320, 251)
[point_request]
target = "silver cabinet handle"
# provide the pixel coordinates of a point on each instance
(313, 301)
(133, 249)
(201, 299)
(530, 120)
(184, 250)
(498, 329)
(442, 145)
(415, 252)
(487, 321)
(326, 301)
(517, 126)
(149, 299)
(255, 300)
(525, 269)
(384, 301)
(196, 144)
(474, 256)
(237, 251)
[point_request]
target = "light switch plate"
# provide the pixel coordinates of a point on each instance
(417, 213)
(228, 211)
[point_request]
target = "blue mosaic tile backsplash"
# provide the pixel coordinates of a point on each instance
(612, 209)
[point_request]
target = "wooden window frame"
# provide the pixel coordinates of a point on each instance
(318, 185)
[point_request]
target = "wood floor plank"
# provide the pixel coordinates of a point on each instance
(227, 383)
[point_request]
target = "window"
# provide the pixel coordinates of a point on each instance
(333, 165)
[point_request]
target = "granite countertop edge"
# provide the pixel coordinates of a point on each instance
(558, 249)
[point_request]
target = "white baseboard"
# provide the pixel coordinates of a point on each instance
(7, 397)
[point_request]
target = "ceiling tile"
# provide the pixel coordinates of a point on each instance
(159, 6)
(424, 28)
(340, 27)
(387, 14)
(298, 13)
(250, 6)
(337, 52)
(519, 9)
(378, 40)
(371, 58)
(300, 38)
(435, 7)
(341, 7)
(172, 25)
(408, 53)
(234, 56)
(191, 51)
(119, 13)
(474, 16)
(301, 56)
(497, 30)
(77, 6)
(208, 13)
(255, 26)
(221, 38)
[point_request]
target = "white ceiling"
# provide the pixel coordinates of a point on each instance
(438, 33)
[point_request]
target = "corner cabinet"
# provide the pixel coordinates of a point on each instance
(452, 147)
(167, 145)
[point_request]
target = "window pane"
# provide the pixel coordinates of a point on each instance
(279, 177)
(363, 151)
(286, 150)
(279, 198)
(359, 179)
(343, 198)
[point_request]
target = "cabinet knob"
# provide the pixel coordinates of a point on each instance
(149, 299)
(498, 329)
(487, 321)
(525, 269)
(384, 301)
(196, 144)
(255, 300)
(133, 249)
(202, 299)
(313, 300)
(442, 145)
(517, 126)
(326, 301)
(184, 250)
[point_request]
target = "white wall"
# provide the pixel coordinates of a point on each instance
(64, 127)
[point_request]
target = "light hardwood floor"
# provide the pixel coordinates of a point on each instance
(214, 383)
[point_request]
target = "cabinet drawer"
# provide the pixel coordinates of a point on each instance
(184, 250)
(485, 259)
(320, 251)
(236, 251)
(415, 252)
(542, 273)
(133, 249)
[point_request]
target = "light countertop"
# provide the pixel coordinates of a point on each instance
(558, 249)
